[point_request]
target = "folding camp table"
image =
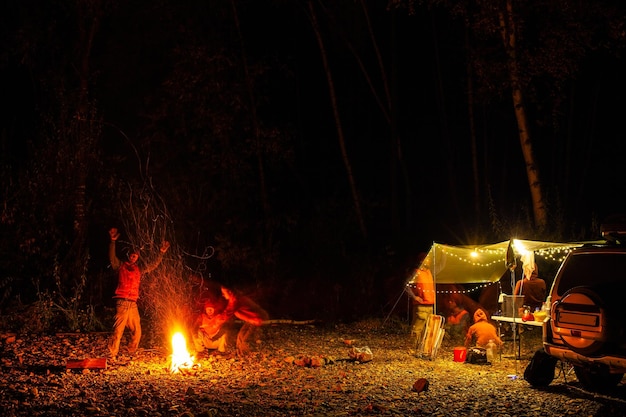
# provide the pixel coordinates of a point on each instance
(516, 321)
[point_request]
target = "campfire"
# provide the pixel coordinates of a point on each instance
(181, 359)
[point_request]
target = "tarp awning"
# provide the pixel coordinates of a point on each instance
(486, 263)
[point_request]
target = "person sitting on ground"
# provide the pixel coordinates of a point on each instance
(457, 321)
(218, 312)
(481, 332)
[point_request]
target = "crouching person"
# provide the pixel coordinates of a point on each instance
(211, 333)
(217, 315)
(481, 332)
(484, 336)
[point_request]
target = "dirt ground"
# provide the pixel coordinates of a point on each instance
(296, 370)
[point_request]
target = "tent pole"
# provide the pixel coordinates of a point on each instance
(511, 264)
(434, 274)
(514, 325)
(396, 303)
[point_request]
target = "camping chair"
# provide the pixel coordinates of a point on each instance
(432, 336)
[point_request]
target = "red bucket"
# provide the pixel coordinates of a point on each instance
(460, 353)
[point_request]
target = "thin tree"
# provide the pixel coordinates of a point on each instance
(86, 127)
(256, 124)
(385, 95)
(337, 118)
(508, 32)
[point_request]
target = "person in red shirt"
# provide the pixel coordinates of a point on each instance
(422, 292)
(457, 321)
(127, 294)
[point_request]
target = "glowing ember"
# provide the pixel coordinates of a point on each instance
(181, 359)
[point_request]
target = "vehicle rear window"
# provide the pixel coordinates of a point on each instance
(592, 269)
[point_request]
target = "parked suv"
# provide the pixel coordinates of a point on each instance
(587, 322)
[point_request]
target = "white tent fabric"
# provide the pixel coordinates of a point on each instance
(486, 263)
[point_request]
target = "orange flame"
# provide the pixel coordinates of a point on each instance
(181, 358)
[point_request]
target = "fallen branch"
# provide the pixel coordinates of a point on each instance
(287, 321)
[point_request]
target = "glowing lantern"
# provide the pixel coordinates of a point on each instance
(181, 359)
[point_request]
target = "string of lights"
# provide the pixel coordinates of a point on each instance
(466, 291)
(557, 254)
(458, 290)
(475, 254)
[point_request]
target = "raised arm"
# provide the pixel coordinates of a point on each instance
(164, 247)
(231, 299)
(115, 262)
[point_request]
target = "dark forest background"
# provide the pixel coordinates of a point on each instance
(302, 152)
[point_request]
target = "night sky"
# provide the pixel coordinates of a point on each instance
(167, 79)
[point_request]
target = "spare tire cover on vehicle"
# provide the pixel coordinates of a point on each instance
(583, 320)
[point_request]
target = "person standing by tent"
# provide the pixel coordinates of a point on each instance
(531, 286)
(127, 294)
(422, 293)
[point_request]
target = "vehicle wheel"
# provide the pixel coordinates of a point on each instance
(597, 379)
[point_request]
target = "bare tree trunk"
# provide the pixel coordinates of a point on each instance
(81, 134)
(340, 135)
(88, 25)
(255, 122)
(508, 33)
(397, 156)
(451, 156)
(472, 128)
(379, 59)
(387, 106)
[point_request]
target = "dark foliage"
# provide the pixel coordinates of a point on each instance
(209, 125)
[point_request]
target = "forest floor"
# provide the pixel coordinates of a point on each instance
(296, 370)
